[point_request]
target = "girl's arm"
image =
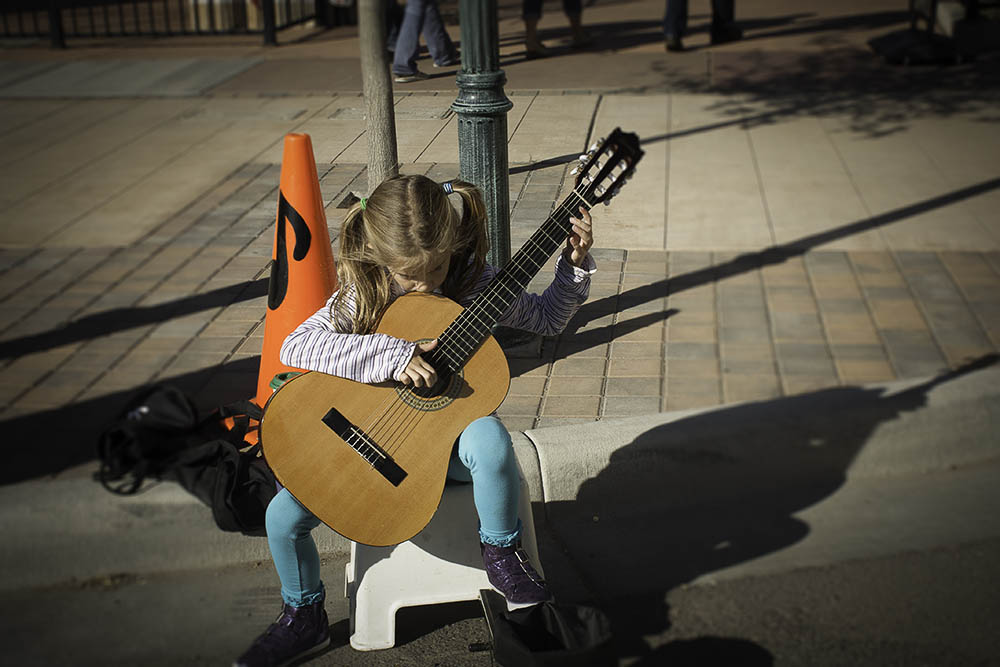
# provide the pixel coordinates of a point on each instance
(319, 344)
(546, 313)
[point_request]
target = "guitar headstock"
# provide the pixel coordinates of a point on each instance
(606, 165)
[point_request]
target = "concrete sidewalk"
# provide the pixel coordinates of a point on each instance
(809, 231)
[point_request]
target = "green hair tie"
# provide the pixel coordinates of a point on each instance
(364, 202)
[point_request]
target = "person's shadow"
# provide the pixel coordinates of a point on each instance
(705, 492)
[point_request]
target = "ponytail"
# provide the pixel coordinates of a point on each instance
(469, 262)
(357, 273)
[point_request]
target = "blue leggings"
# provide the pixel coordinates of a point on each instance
(485, 457)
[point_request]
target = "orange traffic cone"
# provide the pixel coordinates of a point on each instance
(303, 274)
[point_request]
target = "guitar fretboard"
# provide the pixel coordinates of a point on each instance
(467, 332)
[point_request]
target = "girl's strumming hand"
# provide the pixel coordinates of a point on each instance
(579, 242)
(418, 372)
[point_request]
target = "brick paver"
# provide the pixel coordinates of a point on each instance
(662, 330)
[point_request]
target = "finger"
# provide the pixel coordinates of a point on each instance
(427, 380)
(414, 378)
(581, 236)
(429, 345)
(426, 376)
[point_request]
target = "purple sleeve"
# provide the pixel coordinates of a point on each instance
(549, 312)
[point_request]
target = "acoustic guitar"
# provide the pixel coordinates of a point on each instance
(370, 460)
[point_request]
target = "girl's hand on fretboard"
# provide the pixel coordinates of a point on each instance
(578, 243)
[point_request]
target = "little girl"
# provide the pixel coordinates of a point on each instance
(408, 237)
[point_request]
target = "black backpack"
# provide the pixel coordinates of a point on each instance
(160, 436)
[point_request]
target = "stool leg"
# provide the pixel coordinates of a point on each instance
(372, 618)
(375, 628)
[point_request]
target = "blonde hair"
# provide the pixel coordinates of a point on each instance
(405, 223)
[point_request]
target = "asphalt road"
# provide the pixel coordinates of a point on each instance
(921, 608)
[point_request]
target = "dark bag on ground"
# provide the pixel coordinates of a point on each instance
(144, 439)
(548, 634)
(159, 436)
(228, 475)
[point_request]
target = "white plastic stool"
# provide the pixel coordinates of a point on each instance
(440, 564)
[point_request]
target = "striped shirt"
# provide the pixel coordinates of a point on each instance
(324, 343)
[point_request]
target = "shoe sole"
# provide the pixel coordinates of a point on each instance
(511, 606)
(318, 648)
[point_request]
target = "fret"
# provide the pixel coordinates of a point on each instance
(463, 336)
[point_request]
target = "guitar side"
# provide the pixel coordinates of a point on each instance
(329, 475)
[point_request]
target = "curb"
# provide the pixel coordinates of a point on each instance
(901, 428)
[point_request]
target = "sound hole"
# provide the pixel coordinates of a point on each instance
(444, 391)
(438, 388)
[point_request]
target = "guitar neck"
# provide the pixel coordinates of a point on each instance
(464, 335)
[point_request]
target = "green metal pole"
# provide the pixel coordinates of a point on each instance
(482, 109)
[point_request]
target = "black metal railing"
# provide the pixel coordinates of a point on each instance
(62, 19)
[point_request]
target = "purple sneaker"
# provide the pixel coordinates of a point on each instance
(511, 573)
(297, 633)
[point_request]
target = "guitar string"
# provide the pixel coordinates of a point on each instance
(391, 443)
(396, 418)
(396, 423)
(474, 311)
(372, 424)
(359, 435)
(388, 421)
(476, 320)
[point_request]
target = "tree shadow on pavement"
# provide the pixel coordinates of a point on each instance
(870, 97)
(706, 492)
(827, 28)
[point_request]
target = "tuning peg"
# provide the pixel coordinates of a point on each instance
(600, 190)
(574, 171)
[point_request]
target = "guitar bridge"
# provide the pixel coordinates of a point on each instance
(361, 443)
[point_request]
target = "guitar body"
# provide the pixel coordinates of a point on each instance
(316, 455)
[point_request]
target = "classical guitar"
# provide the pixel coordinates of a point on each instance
(370, 460)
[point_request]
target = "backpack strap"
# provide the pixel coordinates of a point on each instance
(244, 407)
(242, 413)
